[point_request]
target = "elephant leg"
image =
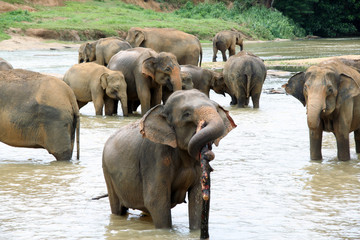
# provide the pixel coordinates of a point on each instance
(232, 51)
(156, 96)
(315, 143)
(81, 104)
(341, 130)
(110, 106)
(115, 205)
(224, 55)
(233, 100)
(255, 97)
(357, 140)
(242, 101)
(99, 105)
(195, 206)
(215, 50)
(57, 139)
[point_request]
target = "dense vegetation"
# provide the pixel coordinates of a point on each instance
(111, 16)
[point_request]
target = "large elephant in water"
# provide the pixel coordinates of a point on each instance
(226, 40)
(96, 83)
(331, 93)
(38, 111)
(184, 46)
(146, 71)
(244, 75)
(153, 163)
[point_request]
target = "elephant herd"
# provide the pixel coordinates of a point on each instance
(153, 163)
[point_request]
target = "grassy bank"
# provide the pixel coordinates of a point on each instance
(110, 17)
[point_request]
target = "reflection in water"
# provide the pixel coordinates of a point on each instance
(264, 185)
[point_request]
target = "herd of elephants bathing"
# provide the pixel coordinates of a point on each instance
(151, 164)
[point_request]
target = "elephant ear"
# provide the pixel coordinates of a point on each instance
(228, 122)
(103, 80)
(295, 86)
(349, 87)
(139, 38)
(148, 67)
(154, 126)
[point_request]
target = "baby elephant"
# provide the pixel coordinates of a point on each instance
(152, 164)
(93, 82)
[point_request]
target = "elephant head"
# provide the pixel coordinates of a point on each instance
(114, 85)
(323, 89)
(164, 70)
(135, 37)
(186, 80)
(90, 52)
(218, 83)
(189, 120)
(239, 40)
(81, 57)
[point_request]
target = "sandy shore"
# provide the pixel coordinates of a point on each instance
(18, 42)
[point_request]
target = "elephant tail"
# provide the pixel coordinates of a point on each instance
(77, 117)
(248, 83)
(201, 54)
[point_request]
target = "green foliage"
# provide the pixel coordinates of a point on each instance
(265, 23)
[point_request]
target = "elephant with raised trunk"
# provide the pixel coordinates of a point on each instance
(184, 46)
(38, 111)
(146, 71)
(93, 82)
(153, 163)
(226, 40)
(244, 75)
(331, 93)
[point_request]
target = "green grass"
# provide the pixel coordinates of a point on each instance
(110, 16)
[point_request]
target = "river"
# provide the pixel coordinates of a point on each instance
(264, 185)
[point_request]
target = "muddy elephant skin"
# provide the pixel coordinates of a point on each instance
(152, 164)
(226, 40)
(96, 83)
(146, 71)
(205, 79)
(38, 111)
(331, 93)
(184, 46)
(244, 76)
(5, 65)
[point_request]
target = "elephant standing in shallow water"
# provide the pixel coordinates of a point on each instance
(151, 164)
(226, 40)
(331, 93)
(38, 111)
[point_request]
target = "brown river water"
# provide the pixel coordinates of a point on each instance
(264, 185)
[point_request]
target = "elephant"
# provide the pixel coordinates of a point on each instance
(151, 164)
(38, 111)
(102, 50)
(206, 79)
(93, 82)
(186, 84)
(226, 40)
(146, 71)
(244, 75)
(184, 46)
(5, 65)
(331, 93)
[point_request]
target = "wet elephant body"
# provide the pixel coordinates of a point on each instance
(226, 41)
(331, 93)
(38, 111)
(96, 83)
(244, 76)
(152, 164)
(145, 72)
(184, 46)
(205, 79)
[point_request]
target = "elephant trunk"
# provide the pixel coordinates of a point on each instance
(210, 127)
(124, 105)
(314, 108)
(176, 79)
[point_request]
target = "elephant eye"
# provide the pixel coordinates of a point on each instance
(186, 115)
(330, 90)
(168, 69)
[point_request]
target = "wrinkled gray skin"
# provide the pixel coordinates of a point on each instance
(184, 46)
(102, 50)
(331, 93)
(38, 111)
(187, 84)
(226, 40)
(150, 165)
(244, 76)
(205, 79)
(5, 65)
(96, 83)
(146, 72)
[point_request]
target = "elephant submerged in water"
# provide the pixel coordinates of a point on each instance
(151, 164)
(331, 93)
(38, 111)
